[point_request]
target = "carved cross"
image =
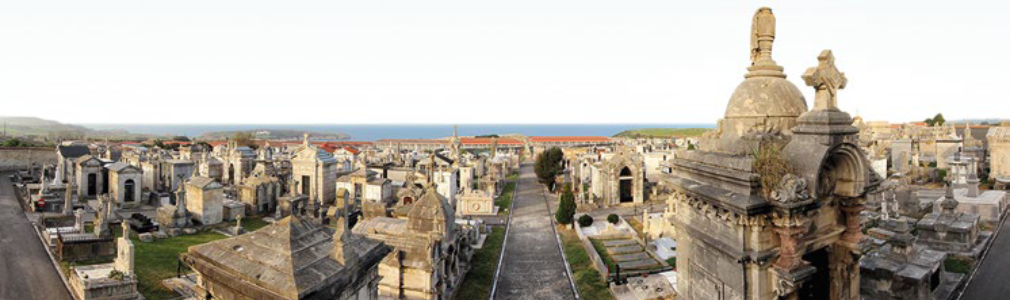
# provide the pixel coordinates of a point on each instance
(827, 80)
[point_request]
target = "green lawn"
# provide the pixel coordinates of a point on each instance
(956, 265)
(504, 201)
(477, 284)
(253, 223)
(158, 260)
(591, 285)
(637, 226)
(602, 251)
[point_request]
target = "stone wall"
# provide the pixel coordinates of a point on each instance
(20, 158)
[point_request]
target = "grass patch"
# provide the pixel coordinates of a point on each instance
(591, 285)
(158, 260)
(637, 226)
(601, 249)
(253, 224)
(957, 265)
(504, 201)
(672, 261)
(477, 284)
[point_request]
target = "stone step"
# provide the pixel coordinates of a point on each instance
(624, 249)
(638, 264)
(632, 256)
(619, 243)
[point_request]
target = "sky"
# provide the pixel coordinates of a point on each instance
(516, 61)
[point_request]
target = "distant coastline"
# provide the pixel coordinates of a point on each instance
(363, 132)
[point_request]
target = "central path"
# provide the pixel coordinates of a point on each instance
(990, 279)
(532, 267)
(26, 273)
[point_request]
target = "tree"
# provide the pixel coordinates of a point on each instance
(181, 138)
(937, 120)
(548, 166)
(13, 143)
(243, 138)
(566, 209)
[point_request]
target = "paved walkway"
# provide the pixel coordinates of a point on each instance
(990, 281)
(26, 273)
(533, 267)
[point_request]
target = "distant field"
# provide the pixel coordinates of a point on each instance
(663, 132)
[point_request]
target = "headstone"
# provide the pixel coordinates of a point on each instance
(146, 237)
(124, 247)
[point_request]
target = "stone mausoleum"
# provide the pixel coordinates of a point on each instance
(768, 205)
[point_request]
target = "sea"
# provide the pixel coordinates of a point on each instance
(368, 132)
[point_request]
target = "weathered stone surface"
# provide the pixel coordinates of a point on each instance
(624, 249)
(22, 158)
(631, 257)
(146, 237)
(619, 243)
(189, 231)
(726, 218)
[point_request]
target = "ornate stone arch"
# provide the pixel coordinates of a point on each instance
(843, 172)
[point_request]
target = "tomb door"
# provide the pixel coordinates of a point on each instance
(129, 188)
(818, 286)
(92, 184)
(626, 182)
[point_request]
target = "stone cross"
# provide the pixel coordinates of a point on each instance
(826, 80)
(126, 229)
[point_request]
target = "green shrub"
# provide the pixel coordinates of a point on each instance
(585, 221)
(613, 219)
(566, 209)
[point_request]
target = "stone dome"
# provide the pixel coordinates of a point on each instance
(766, 97)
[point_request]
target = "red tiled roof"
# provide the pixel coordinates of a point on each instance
(487, 141)
(333, 144)
(542, 139)
(411, 141)
(350, 149)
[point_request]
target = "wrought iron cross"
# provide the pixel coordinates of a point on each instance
(827, 80)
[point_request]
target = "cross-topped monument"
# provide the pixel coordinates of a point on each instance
(827, 80)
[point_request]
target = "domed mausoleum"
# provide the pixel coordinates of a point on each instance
(768, 207)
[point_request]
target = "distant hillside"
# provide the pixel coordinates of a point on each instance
(662, 132)
(274, 134)
(24, 126)
(32, 126)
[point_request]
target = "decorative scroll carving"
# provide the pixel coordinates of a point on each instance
(791, 188)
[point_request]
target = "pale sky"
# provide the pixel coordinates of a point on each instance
(468, 61)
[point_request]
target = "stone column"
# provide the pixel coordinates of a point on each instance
(789, 244)
(851, 207)
(790, 270)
